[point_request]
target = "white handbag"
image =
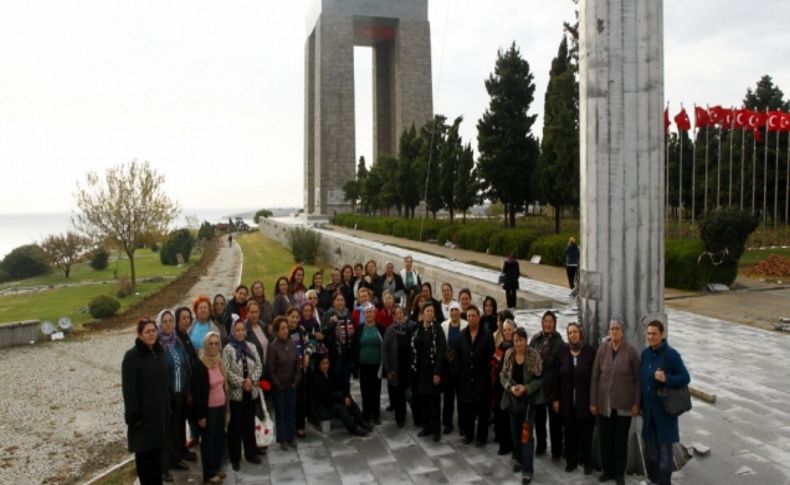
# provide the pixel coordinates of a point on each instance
(264, 430)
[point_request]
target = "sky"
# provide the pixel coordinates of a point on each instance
(211, 93)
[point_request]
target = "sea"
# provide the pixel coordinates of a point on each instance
(19, 229)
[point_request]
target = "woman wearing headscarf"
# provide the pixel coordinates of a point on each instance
(489, 317)
(523, 392)
(503, 343)
(548, 343)
(510, 275)
(282, 298)
(284, 373)
(309, 321)
(338, 329)
(395, 362)
(243, 367)
(367, 353)
(266, 311)
(475, 349)
(331, 402)
(614, 398)
(210, 391)
(572, 398)
(662, 366)
(146, 402)
(428, 350)
(178, 375)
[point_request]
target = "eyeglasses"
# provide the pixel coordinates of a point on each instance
(213, 344)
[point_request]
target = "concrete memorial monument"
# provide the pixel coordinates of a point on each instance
(400, 36)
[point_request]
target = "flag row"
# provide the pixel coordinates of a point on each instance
(729, 118)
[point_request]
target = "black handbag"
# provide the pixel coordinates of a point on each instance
(674, 400)
(516, 405)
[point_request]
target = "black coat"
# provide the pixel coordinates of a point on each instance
(146, 396)
(325, 394)
(569, 379)
(425, 368)
(324, 299)
(549, 362)
(474, 358)
(512, 272)
(200, 388)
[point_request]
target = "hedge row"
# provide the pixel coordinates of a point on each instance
(686, 269)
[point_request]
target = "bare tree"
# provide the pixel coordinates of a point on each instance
(126, 207)
(64, 250)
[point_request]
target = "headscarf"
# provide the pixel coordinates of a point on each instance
(167, 340)
(311, 326)
(242, 349)
(215, 361)
(578, 345)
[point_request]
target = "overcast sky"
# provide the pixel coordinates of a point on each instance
(211, 93)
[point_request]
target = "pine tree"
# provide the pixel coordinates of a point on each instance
(448, 167)
(408, 173)
(432, 137)
(466, 184)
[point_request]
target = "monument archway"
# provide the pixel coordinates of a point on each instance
(400, 35)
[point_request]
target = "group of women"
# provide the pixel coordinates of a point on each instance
(214, 366)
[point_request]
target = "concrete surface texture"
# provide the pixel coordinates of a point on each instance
(621, 89)
(399, 34)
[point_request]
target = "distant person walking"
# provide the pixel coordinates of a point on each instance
(230, 240)
(510, 275)
(571, 261)
(146, 401)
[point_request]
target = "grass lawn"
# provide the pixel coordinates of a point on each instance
(267, 260)
(754, 256)
(51, 304)
(126, 475)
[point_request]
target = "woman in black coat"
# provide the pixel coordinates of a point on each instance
(395, 361)
(572, 398)
(330, 401)
(510, 273)
(475, 350)
(146, 401)
(429, 348)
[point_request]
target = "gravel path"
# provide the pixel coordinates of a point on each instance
(60, 403)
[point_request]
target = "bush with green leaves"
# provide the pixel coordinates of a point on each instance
(103, 306)
(727, 229)
(304, 244)
(687, 266)
(551, 248)
(475, 237)
(25, 262)
(263, 213)
(100, 259)
(516, 241)
(206, 231)
(180, 242)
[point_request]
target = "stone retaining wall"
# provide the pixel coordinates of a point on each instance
(18, 333)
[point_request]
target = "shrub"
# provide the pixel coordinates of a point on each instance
(304, 244)
(100, 259)
(475, 237)
(445, 234)
(551, 249)
(103, 306)
(517, 241)
(25, 262)
(686, 267)
(154, 247)
(263, 213)
(4, 275)
(180, 242)
(206, 230)
(727, 229)
(123, 287)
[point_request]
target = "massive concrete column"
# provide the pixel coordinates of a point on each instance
(621, 107)
(309, 124)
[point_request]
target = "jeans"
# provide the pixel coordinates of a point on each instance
(285, 414)
(212, 442)
(241, 428)
(524, 453)
(149, 467)
(543, 411)
(613, 433)
(370, 387)
(350, 416)
(659, 459)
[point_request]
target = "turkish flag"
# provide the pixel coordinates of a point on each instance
(666, 121)
(774, 121)
(701, 117)
(741, 118)
(717, 114)
(682, 120)
(786, 122)
(756, 120)
(758, 135)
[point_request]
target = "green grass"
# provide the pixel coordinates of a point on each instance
(267, 260)
(754, 256)
(125, 475)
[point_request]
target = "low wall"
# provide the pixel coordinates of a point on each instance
(18, 333)
(337, 252)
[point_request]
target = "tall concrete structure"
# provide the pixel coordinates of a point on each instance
(622, 214)
(400, 35)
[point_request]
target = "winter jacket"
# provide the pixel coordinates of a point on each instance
(146, 397)
(549, 361)
(285, 368)
(390, 352)
(426, 368)
(335, 326)
(668, 359)
(512, 273)
(572, 384)
(474, 359)
(235, 370)
(615, 381)
(572, 255)
(532, 381)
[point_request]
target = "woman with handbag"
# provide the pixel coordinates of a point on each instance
(663, 373)
(523, 391)
(210, 387)
(243, 368)
(509, 279)
(503, 342)
(614, 399)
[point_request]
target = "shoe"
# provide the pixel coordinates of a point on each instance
(293, 444)
(179, 466)
(588, 469)
(254, 460)
(556, 457)
(214, 479)
(605, 477)
(448, 429)
(400, 424)
(423, 433)
(389, 408)
(284, 446)
(540, 451)
(235, 467)
(526, 479)
(436, 437)
(359, 431)
(377, 421)
(368, 426)
(619, 480)
(167, 477)
(503, 451)
(191, 443)
(480, 444)
(189, 456)
(569, 468)
(261, 451)
(300, 433)
(517, 468)
(468, 441)
(222, 474)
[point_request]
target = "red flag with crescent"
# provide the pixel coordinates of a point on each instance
(774, 120)
(682, 120)
(785, 122)
(717, 115)
(756, 120)
(701, 117)
(741, 118)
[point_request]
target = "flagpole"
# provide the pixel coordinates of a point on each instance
(666, 163)
(765, 178)
(787, 188)
(754, 169)
(718, 171)
(743, 143)
(729, 135)
(680, 184)
(707, 132)
(776, 181)
(693, 174)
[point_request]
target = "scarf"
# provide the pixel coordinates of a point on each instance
(399, 327)
(545, 346)
(215, 361)
(167, 340)
(242, 349)
(432, 354)
(577, 346)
